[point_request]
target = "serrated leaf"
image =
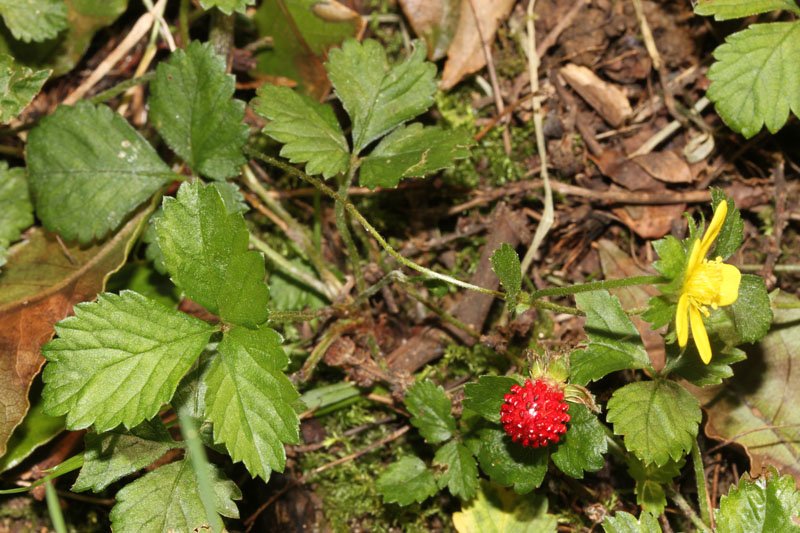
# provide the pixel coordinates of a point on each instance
(430, 411)
(671, 262)
(413, 151)
(18, 86)
(205, 249)
(379, 97)
(459, 470)
(623, 522)
(497, 510)
(614, 342)
(660, 311)
(167, 500)
(751, 312)
(193, 108)
(16, 211)
(583, 446)
(406, 481)
(650, 482)
(34, 20)
(89, 169)
(118, 360)
(115, 454)
(250, 401)
(485, 397)
(770, 503)
(506, 266)
(691, 367)
(734, 9)
(309, 130)
(732, 232)
(659, 419)
(755, 80)
(228, 6)
(508, 463)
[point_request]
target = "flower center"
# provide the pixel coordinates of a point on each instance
(704, 284)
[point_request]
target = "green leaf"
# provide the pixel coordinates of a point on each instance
(614, 342)
(144, 279)
(732, 232)
(250, 401)
(497, 510)
(413, 151)
(582, 448)
(506, 266)
(18, 86)
(113, 455)
(378, 97)
(227, 6)
(486, 396)
(623, 522)
(16, 211)
(430, 411)
(659, 419)
(118, 360)
(691, 368)
(34, 20)
(660, 311)
(89, 170)
(167, 500)
(406, 481)
(36, 429)
(508, 463)
(755, 80)
(205, 249)
(288, 294)
(769, 503)
(672, 258)
(193, 108)
(650, 483)
(751, 312)
(734, 9)
(309, 130)
(459, 470)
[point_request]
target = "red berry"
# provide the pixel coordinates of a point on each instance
(535, 413)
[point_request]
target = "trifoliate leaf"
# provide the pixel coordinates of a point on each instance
(459, 470)
(250, 401)
(227, 6)
(18, 86)
(506, 266)
(118, 360)
(205, 249)
(508, 463)
(89, 169)
(412, 152)
(193, 108)
(755, 80)
(659, 419)
(16, 211)
(582, 447)
(379, 97)
(751, 312)
(486, 396)
(34, 20)
(732, 232)
(671, 263)
(623, 522)
(650, 483)
(497, 510)
(770, 503)
(734, 9)
(430, 411)
(115, 454)
(406, 481)
(309, 130)
(691, 367)
(167, 500)
(614, 342)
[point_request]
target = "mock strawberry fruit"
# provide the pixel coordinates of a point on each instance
(535, 414)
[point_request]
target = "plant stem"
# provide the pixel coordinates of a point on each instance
(703, 501)
(54, 508)
(556, 308)
(684, 506)
(284, 264)
(121, 87)
(183, 23)
(197, 455)
(319, 185)
(596, 286)
(344, 230)
(297, 316)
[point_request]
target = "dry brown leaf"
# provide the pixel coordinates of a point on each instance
(41, 282)
(623, 171)
(650, 221)
(435, 21)
(665, 166)
(607, 99)
(465, 54)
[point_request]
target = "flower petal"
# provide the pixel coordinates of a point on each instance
(714, 228)
(700, 335)
(695, 258)
(682, 320)
(729, 288)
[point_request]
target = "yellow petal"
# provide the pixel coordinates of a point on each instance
(713, 229)
(729, 288)
(700, 335)
(682, 320)
(694, 260)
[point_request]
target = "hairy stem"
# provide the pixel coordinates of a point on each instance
(596, 286)
(344, 229)
(703, 501)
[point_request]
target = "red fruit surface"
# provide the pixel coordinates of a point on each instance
(534, 414)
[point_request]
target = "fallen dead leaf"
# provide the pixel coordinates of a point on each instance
(625, 172)
(665, 166)
(435, 21)
(605, 98)
(42, 280)
(650, 221)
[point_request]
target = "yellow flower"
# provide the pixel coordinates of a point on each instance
(706, 283)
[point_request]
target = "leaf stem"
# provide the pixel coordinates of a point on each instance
(54, 508)
(596, 286)
(197, 455)
(703, 500)
(285, 265)
(341, 224)
(121, 87)
(687, 510)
